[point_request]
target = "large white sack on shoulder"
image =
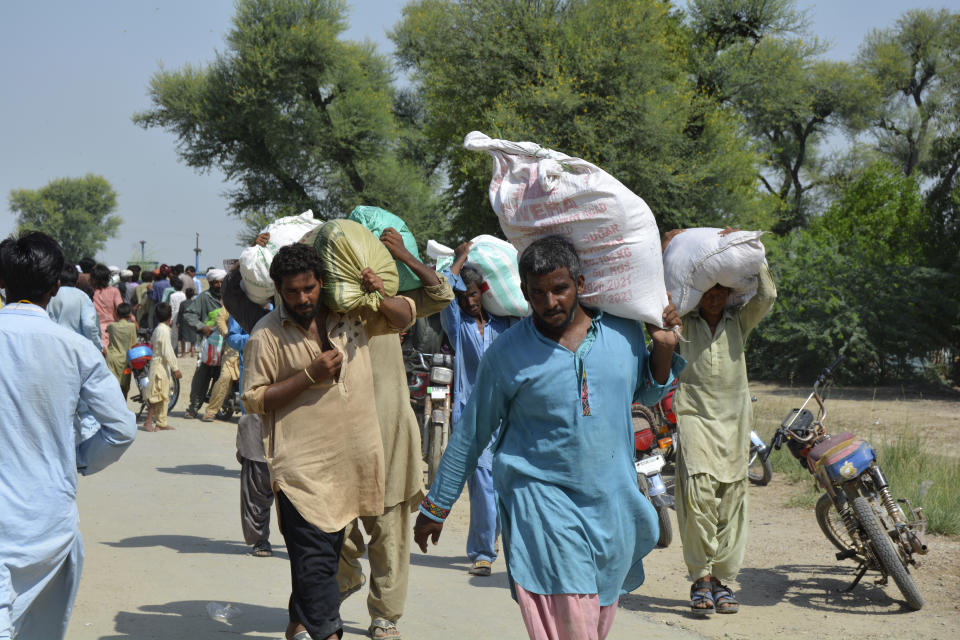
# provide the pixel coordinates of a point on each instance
(537, 192)
(700, 258)
(496, 260)
(255, 261)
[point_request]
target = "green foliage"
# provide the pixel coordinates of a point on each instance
(602, 80)
(76, 212)
(857, 281)
(294, 116)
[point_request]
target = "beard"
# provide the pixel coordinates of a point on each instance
(542, 321)
(304, 318)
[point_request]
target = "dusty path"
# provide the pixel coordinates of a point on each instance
(163, 540)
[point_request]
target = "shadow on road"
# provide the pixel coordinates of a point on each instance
(820, 588)
(201, 470)
(189, 619)
(189, 544)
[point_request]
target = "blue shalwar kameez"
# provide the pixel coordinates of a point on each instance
(45, 372)
(572, 517)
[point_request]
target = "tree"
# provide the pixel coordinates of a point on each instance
(293, 115)
(859, 279)
(76, 212)
(604, 80)
(756, 56)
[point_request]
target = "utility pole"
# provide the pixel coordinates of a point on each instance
(196, 251)
(143, 243)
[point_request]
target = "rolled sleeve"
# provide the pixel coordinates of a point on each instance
(649, 391)
(434, 298)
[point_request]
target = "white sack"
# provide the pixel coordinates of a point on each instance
(538, 192)
(698, 259)
(255, 261)
(496, 260)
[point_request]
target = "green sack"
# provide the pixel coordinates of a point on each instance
(347, 248)
(378, 220)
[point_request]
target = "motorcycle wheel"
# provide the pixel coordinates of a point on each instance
(759, 471)
(434, 450)
(666, 529)
(174, 392)
(885, 553)
(832, 524)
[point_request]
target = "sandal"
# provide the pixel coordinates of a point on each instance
(701, 595)
(262, 549)
(724, 602)
(481, 568)
(383, 629)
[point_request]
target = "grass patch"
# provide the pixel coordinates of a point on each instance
(927, 480)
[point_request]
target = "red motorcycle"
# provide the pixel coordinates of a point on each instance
(138, 366)
(649, 460)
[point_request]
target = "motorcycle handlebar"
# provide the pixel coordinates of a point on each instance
(829, 369)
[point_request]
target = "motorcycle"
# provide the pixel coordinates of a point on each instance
(857, 513)
(759, 468)
(232, 404)
(138, 361)
(649, 462)
(429, 377)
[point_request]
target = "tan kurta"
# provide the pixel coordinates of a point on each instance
(121, 335)
(164, 360)
(324, 449)
(714, 416)
(398, 423)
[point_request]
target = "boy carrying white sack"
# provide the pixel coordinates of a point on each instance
(714, 419)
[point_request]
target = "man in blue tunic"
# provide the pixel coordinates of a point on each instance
(575, 526)
(46, 371)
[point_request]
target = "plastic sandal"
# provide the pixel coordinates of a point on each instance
(383, 629)
(724, 601)
(701, 593)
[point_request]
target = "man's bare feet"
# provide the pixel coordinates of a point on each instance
(165, 427)
(148, 426)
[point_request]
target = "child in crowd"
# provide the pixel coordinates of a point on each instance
(186, 335)
(163, 365)
(121, 335)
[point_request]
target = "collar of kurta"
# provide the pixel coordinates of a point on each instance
(25, 308)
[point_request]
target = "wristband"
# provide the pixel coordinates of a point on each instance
(309, 377)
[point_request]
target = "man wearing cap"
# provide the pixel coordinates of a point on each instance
(195, 316)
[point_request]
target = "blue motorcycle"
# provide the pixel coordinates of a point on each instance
(857, 512)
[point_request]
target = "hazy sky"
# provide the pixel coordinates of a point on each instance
(72, 73)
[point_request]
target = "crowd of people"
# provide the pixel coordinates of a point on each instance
(541, 428)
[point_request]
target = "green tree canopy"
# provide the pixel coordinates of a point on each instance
(605, 80)
(295, 116)
(76, 212)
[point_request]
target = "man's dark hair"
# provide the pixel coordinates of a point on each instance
(190, 292)
(190, 268)
(294, 259)
(87, 264)
(136, 270)
(100, 276)
(470, 276)
(69, 275)
(146, 276)
(549, 254)
(177, 269)
(176, 283)
(164, 312)
(31, 265)
(123, 310)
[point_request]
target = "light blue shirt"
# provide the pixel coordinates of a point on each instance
(469, 345)
(73, 309)
(572, 517)
(45, 371)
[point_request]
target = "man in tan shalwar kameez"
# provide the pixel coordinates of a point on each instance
(307, 371)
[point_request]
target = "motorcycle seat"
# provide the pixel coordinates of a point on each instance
(821, 448)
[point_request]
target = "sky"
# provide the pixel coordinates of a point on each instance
(73, 73)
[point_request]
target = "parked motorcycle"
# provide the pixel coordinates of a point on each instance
(858, 513)
(138, 366)
(429, 377)
(231, 405)
(649, 462)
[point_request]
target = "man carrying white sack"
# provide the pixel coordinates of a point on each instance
(575, 527)
(714, 420)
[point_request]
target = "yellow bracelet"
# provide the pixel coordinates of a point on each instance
(309, 377)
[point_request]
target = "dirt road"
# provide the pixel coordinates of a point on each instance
(163, 541)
